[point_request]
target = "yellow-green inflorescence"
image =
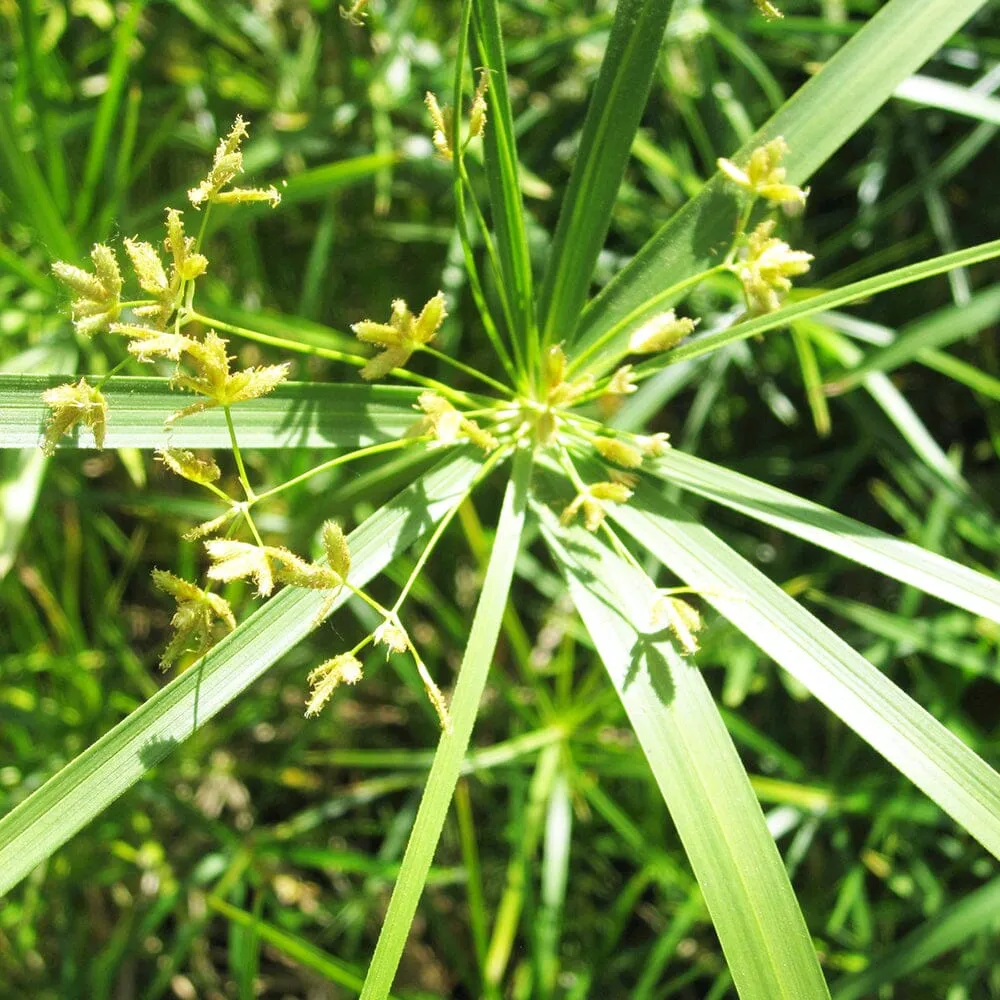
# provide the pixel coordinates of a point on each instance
(557, 410)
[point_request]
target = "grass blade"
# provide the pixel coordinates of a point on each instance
(612, 120)
(107, 112)
(83, 788)
(834, 299)
(295, 415)
(698, 771)
(451, 750)
(975, 913)
(817, 120)
(894, 557)
(502, 175)
(914, 742)
(294, 947)
(939, 329)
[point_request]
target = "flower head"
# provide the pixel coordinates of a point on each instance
(148, 344)
(227, 165)
(768, 265)
(680, 617)
(189, 466)
(442, 128)
(401, 336)
(447, 424)
(98, 300)
(477, 113)
(356, 13)
(214, 379)
(660, 333)
(392, 635)
(233, 560)
(591, 502)
(328, 676)
(619, 452)
(72, 404)
(199, 619)
(765, 176)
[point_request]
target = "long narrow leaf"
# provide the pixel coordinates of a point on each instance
(612, 120)
(296, 414)
(975, 913)
(817, 120)
(825, 301)
(451, 750)
(933, 758)
(69, 800)
(894, 557)
(939, 329)
(698, 771)
(502, 175)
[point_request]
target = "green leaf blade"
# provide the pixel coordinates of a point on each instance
(700, 776)
(903, 561)
(912, 740)
(447, 765)
(295, 415)
(815, 122)
(612, 120)
(76, 794)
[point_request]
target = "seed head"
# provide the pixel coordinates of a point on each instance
(98, 294)
(327, 677)
(618, 452)
(767, 266)
(199, 619)
(764, 176)
(72, 404)
(660, 333)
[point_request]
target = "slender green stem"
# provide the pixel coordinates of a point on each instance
(499, 455)
(114, 371)
(468, 370)
(353, 456)
(247, 488)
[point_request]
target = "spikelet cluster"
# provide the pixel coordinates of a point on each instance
(401, 336)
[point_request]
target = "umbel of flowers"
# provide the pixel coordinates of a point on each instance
(162, 326)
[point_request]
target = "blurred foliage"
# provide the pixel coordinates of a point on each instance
(106, 113)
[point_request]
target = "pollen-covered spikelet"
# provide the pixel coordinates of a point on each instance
(680, 617)
(72, 404)
(232, 560)
(227, 165)
(619, 452)
(189, 466)
(660, 333)
(764, 176)
(477, 113)
(447, 424)
(147, 343)
(98, 301)
(767, 267)
(768, 10)
(392, 635)
(328, 676)
(591, 502)
(442, 129)
(401, 336)
(199, 619)
(214, 380)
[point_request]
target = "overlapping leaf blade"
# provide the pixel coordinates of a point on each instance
(85, 786)
(698, 771)
(932, 757)
(295, 415)
(815, 122)
(928, 571)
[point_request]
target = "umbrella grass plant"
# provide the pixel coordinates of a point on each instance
(604, 499)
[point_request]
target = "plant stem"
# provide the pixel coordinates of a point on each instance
(468, 370)
(374, 449)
